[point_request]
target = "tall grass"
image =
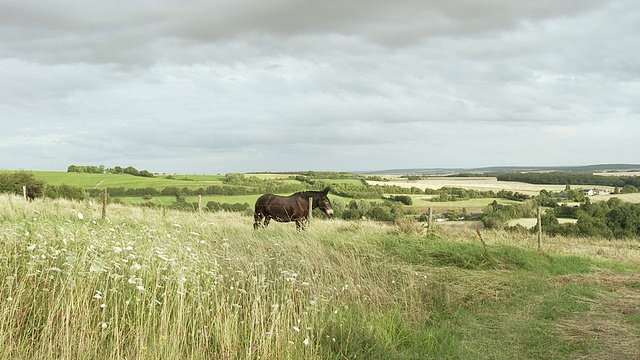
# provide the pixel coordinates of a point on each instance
(146, 283)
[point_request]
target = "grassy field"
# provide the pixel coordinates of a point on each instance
(101, 181)
(156, 284)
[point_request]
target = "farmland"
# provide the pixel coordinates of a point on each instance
(472, 183)
(147, 283)
(237, 192)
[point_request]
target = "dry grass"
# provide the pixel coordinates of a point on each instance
(613, 319)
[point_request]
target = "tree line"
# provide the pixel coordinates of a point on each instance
(90, 169)
(613, 218)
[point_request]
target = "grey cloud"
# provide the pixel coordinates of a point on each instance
(338, 85)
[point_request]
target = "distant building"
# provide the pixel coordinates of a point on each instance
(592, 192)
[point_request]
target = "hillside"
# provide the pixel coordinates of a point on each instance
(440, 171)
(148, 283)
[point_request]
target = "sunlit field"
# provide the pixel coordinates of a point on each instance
(164, 284)
(476, 183)
(101, 181)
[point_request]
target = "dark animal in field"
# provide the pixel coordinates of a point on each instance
(32, 192)
(290, 208)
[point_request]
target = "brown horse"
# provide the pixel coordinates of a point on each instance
(32, 192)
(290, 208)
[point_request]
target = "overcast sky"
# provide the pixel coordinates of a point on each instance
(235, 86)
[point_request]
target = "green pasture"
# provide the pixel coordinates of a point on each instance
(199, 178)
(168, 200)
(341, 181)
(101, 181)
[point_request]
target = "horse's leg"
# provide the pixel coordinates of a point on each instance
(301, 224)
(257, 219)
(266, 220)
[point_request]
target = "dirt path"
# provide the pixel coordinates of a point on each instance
(99, 183)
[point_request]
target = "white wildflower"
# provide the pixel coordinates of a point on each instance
(297, 329)
(31, 247)
(306, 341)
(117, 249)
(96, 268)
(140, 287)
(80, 216)
(104, 325)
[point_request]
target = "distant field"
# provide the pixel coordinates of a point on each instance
(621, 173)
(471, 205)
(634, 198)
(341, 181)
(529, 223)
(479, 183)
(167, 200)
(101, 181)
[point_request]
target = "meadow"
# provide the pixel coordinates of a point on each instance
(101, 181)
(158, 283)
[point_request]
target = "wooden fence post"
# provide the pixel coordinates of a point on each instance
(539, 228)
(104, 204)
(310, 216)
(200, 206)
(24, 195)
(430, 217)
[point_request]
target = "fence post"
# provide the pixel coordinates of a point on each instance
(430, 217)
(24, 196)
(310, 216)
(200, 206)
(539, 228)
(104, 204)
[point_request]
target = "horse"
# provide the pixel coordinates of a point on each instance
(290, 208)
(32, 192)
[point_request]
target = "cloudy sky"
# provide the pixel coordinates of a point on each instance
(271, 85)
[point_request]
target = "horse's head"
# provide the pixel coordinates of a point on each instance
(323, 203)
